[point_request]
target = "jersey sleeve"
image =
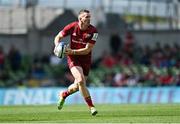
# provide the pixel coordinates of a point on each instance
(94, 36)
(68, 29)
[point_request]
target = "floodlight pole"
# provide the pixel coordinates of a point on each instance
(148, 7)
(129, 6)
(33, 36)
(176, 13)
(168, 13)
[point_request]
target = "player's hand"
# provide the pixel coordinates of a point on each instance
(55, 51)
(68, 51)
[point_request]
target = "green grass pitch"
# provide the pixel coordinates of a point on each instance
(108, 113)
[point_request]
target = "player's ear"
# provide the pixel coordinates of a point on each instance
(80, 19)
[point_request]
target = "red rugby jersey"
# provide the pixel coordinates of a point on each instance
(80, 38)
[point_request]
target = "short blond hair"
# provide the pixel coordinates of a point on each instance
(83, 11)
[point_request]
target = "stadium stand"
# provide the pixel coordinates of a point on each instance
(138, 63)
(114, 21)
(155, 67)
(58, 23)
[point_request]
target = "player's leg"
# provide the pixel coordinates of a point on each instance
(71, 89)
(78, 74)
(89, 101)
(63, 94)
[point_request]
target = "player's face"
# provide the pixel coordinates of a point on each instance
(85, 19)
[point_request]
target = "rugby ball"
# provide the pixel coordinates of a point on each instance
(59, 49)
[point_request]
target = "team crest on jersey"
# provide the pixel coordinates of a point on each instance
(87, 35)
(74, 34)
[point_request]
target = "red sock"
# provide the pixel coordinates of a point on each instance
(65, 94)
(89, 101)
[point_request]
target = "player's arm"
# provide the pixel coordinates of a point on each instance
(82, 51)
(66, 31)
(58, 38)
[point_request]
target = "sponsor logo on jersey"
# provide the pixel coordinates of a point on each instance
(95, 36)
(80, 42)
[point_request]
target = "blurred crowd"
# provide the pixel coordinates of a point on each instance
(127, 64)
(131, 65)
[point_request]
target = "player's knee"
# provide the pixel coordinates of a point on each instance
(80, 80)
(81, 84)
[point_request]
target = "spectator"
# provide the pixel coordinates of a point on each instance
(2, 58)
(129, 43)
(115, 43)
(14, 58)
(108, 80)
(108, 60)
(167, 79)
